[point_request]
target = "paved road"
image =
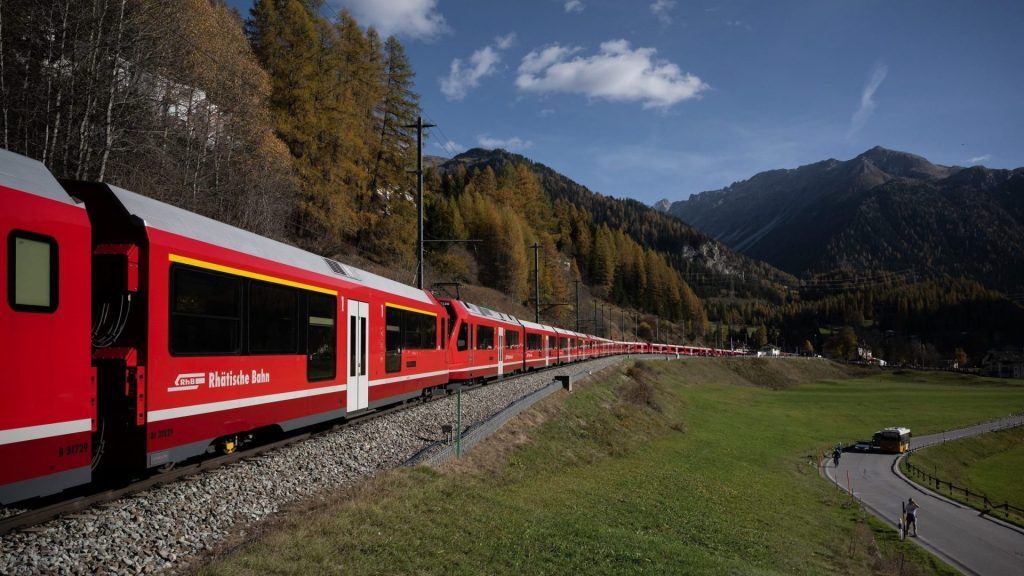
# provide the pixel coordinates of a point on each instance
(962, 536)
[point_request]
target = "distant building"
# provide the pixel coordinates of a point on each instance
(769, 350)
(1003, 363)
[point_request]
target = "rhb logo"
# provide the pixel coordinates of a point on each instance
(189, 381)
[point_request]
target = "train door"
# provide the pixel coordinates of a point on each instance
(501, 351)
(546, 350)
(358, 381)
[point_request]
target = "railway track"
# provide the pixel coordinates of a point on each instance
(48, 511)
(34, 516)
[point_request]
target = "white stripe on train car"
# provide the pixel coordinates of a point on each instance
(476, 368)
(196, 409)
(13, 435)
(394, 379)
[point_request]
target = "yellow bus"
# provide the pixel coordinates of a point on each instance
(895, 440)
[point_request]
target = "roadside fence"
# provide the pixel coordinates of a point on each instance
(1011, 512)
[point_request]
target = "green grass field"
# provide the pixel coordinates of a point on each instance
(990, 464)
(702, 466)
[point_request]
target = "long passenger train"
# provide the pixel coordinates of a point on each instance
(135, 335)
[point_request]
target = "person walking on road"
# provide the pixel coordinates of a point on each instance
(835, 456)
(912, 508)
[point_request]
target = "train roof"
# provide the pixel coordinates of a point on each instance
(535, 326)
(162, 216)
(27, 175)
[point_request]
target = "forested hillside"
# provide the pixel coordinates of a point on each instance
(510, 211)
(161, 97)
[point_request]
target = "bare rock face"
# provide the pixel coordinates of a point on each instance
(662, 205)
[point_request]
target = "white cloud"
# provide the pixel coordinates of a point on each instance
(414, 18)
(979, 159)
(483, 62)
(617, 73)
(738, 24)
(867, 100)
(574, 6)
(662, 9)
(547, 112)
(510, 144)
(535, 61)
(505, 42)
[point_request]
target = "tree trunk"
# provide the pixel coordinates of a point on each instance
(108, 139)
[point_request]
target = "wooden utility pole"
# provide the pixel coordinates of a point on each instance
(577, 281)
(536, 282)
(419, 126)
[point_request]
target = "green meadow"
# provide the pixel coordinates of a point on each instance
(696, 466)
(991, 464)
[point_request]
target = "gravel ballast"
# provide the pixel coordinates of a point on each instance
(164, 527)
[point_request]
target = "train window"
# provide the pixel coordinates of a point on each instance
(407, 330)
(206, 312)
(362, 346)
(321, 336)
(512, 338)
(393, 340)
(273, 318)
(563, 343)
(462, 343)
(533, 341)
(419, 331)
(352, 346)
(484, 338)
(451, 319)
(31, 272)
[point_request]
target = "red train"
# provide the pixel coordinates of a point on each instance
(135, 335)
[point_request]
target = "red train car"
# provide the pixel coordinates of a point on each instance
(479, 339)
(46, 379)
(540, 340)
(563, 351)
(232, 333)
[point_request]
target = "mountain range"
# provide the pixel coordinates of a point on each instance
(882, 210)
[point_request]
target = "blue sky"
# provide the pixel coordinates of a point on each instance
(655, 99)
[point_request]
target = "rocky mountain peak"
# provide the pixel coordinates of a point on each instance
(902, 164)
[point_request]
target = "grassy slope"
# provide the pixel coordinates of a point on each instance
(992, 464)
(681, 467)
